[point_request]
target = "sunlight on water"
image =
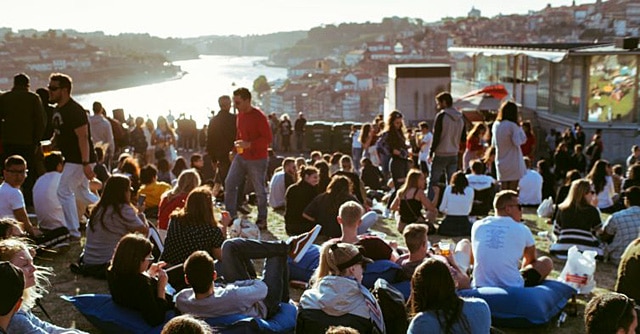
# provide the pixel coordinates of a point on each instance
(195, 94)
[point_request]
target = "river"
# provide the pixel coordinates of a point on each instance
(195, 94)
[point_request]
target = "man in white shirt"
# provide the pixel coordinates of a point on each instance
(11, 199)
(425, 147)
(499, 243)
(530, 186)
(280, 181)
(45, 201)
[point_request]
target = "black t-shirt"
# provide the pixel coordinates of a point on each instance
(65, 120)
(324, 209)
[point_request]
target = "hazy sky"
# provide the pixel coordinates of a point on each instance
(188, 18)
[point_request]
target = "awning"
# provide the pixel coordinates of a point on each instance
(552, 56)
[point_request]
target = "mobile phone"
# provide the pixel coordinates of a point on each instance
(141, 199)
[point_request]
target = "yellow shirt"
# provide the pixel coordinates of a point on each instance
(153, 191)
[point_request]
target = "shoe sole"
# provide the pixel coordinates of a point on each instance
(306, 246)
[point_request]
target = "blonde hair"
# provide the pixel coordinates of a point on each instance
(188, 180)
(350, 212)
(575, 199)
(415, 236)
(332, 254)
(412, 181)
(8, 249)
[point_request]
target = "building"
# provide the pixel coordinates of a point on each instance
(558, 85)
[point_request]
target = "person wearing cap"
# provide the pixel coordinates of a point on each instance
(243, 294)
(12, 282)
(337, 296)
(622, 227)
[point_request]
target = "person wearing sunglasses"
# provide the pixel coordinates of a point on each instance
(498, 244)
(611, 313)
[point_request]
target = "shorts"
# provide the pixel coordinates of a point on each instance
(531, 277)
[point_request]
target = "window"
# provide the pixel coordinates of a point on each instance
(543, 77)
(612, 89)
(566, 86)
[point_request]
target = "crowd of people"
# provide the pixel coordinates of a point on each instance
(155, 227)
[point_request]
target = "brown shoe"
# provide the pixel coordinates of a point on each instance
(299, 245)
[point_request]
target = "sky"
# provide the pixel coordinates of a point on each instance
(192, 18)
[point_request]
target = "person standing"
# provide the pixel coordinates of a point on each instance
(507, 138)
(425, 148)
(23, 120)
(285, 132)
(101, 130)
(299, 128)
(220, 137)
(448, 133)
(253, 136)
(72, 135)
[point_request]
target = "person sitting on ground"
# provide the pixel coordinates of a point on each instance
(100, 169)
(337, 292)
(186, 324)
(194, 228)
(178, 166)
(350, 217)
(611, 313)
(335, 163)
(416, 239)
(410, 200)
(498, 244)
(323, 172)
(617, 177)
(629, 271)
(577, 220)
(112, 218)
(297, 197)
(12, 282)
(548, 179)
(323, 209)
(197, 163)
(45, 201)
(600, 176)
(578, 159)
(12, 204)
(164, 172)
(135, 282)
(300, 161)
(243, 294)
(456, 204)
(371, 175)
(622, 227)
(151, 189)
(633, 177)
(175, 197)
(35, 280)
(484, 189)
(131, 169)
(530, 186)
(280, 182)
(434, 304)
(563, 192)
(346, 169)
(9, 228)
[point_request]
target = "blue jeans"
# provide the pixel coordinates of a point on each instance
(356, 155)
(440, 165)
(236, 255)
(256, 170)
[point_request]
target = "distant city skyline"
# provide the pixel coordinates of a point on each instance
(192, 18)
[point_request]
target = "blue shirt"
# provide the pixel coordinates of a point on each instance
(475, 311)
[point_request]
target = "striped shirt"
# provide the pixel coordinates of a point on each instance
(624, 226)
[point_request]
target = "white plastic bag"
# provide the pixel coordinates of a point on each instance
(579, 270)
(243, 228)
(545, 209)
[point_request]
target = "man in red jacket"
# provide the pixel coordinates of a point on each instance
(253, 136)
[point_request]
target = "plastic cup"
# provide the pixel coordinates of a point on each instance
(445, 248)
(46, 147)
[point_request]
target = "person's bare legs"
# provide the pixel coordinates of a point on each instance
(543, 265)
(462, 254)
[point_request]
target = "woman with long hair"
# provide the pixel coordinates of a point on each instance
(337, 291)
(135, 282)
(175, 198)
(456, 204)
(434, 304)
(194, 228)
(368, 139)
(577, 220)
(298, 196)
(35, 281)
(529, 146)
(563, 192)
(507, 138)
(489, 161)
(179, 166)
(398, 150)
(129, 167)
(112, 217)
(474, 148)
(562, 160)
(600, 177)
(323, 172)
(323, 209)
(410, 200)
(633, 177)
(164, 140)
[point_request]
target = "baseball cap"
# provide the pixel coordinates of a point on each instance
(12, 283)
(346, 255)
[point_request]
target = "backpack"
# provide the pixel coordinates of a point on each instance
(382, 146)
(392, 304)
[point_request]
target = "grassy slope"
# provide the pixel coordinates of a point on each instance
(66, 283)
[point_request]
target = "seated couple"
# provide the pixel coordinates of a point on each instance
(242, 294)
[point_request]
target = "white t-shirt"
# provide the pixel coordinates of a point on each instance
(424, 150)
(530, 187)
(480, 182)
(277, 190)
(457, 204)
(46, 203)
(10, 199)
(605, 197)
(498, 245)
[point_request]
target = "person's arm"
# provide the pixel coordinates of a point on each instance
(395, 205)
(608, 230)
(307, 217)
(445, 199)
(82, 132)
(39, 119)
(22, 216)
(426, 202)
(518, 136)
(136, 222)
(437, 129)
(529, 256)
(251, 291)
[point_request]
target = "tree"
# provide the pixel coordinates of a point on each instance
(261, 85)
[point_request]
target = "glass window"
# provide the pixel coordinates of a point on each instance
(543, 77)
(565, 89)
(612, 88)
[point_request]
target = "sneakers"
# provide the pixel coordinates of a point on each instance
(262, 224)
(300, 244)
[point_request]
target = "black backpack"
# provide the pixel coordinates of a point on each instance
(392, 304)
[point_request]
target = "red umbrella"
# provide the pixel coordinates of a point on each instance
(497, 91)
